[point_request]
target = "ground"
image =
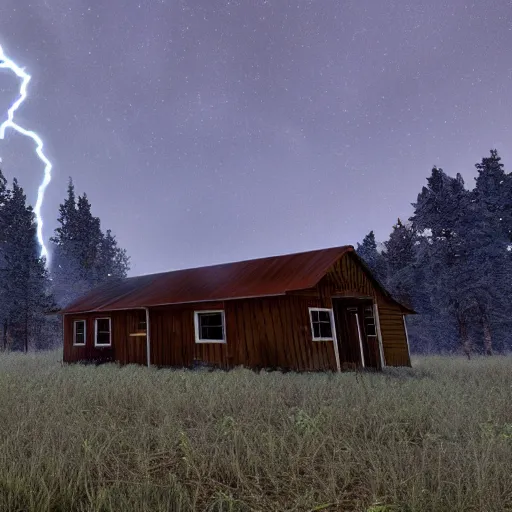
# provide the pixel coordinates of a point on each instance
(437, 437)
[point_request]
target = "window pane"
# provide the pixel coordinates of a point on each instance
(79, 327)
(211, 326)
(323, 316)
(214, 319)
(321, 323)
(211, 333)
(103, 325)
(370, 330)
(103, 338)
(103, 331)
(325, 330)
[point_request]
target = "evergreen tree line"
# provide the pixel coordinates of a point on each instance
(82, 256)
(452, 262)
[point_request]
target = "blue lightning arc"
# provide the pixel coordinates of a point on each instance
(7, 63)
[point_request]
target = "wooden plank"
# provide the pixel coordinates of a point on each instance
(260, 334)
(242, 353)
(288, 331)
(252, 343)
(275, 345)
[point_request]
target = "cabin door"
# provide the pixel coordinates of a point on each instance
(356, 333)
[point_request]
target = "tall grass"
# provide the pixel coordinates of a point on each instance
(437, 437)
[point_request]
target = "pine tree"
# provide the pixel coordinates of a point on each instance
(4, 297)
(83, 256)
(400, 260)
(25, 281)
(367, 250)
(489, 234)
(492, 192)
(439, 220)
(67, 275)
(89, 238)
(400, 247)
(111, 262)
(68, 217)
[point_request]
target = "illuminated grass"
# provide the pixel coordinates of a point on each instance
(437, 437)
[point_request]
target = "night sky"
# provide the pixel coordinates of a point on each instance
(206, 131)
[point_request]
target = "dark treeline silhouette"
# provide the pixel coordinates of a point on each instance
(82, 256)
(452, 262)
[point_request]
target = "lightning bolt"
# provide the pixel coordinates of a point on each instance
(7, 63)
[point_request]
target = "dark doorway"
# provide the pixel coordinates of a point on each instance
(356, 331)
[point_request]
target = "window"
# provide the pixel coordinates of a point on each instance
(79, 332)
(321, 324)
(369, 321)
(103, 332)
(210, 327)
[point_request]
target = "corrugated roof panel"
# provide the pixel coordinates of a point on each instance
(252, 278)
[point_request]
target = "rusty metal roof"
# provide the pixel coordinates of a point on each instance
(261, 277)
(274, 275)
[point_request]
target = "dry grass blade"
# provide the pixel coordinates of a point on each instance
(434, 437)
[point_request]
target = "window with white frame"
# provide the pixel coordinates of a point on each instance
(103, 332)
(321, 324)
(79, 332)
(210, 326)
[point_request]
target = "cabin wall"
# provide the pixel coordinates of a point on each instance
(346, 278)
(124, 348)
(394, 340)
(271, 332)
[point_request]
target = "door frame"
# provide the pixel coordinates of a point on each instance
(335, 339)
(377, 325)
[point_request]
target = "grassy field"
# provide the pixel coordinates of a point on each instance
(437, 437)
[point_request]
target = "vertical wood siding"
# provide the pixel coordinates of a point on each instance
(260, 333)
(348, 278)
(393, 335)
(268, 332)
(124, 349)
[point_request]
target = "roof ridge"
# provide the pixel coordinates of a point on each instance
(273, 257)
(259, 277)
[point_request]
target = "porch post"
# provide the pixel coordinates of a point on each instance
(335, 340)
(379, 334)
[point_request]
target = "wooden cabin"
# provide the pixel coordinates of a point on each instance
(311, 311)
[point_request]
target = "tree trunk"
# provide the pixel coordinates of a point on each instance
(487, 337)
(25, 341)
(484, 318)
(464, 336)
(5, 334)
